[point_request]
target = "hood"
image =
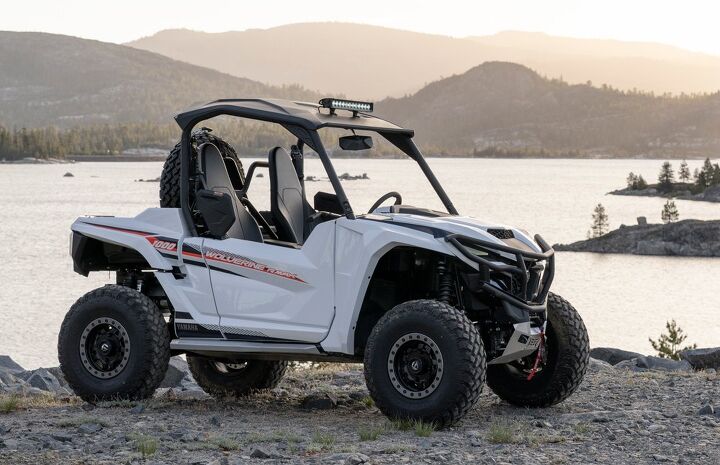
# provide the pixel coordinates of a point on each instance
(471, 227)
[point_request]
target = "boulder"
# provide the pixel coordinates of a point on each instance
(706, 409)
(599, 365)
(654, 363)
(58, 374)
(9, 365)
(612, 356)
(260, 453)
(319, 401)
(177, 371)
(8, 379)
(68, 175)
(89, 428)
(702, 359)
(711, 194)
(42, 379)
(347, 458)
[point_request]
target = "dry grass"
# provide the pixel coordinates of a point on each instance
(9, 404)
(503, 432)
(145, 445)
(371, 433)
(224, 443)
(12, 402)
(322, 442)
(76, 421)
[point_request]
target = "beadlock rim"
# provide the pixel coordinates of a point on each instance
(415, 365)
(104, 348)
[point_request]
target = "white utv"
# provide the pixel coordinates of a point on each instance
(433, 303)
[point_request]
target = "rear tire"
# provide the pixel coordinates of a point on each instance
(114, 344)
(568, 354)
(222, 379)
(170, 178)
(425, 360)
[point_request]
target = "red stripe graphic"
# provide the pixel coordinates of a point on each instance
(160, 244)
(231, 259)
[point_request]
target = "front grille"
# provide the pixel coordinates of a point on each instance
(501, 233)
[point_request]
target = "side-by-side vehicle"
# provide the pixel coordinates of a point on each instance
(435, 304)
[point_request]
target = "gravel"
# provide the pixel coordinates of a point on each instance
(617, 416)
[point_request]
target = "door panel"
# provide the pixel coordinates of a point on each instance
(195, 311)
(265, 291)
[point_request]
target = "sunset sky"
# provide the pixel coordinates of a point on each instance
(691, 24)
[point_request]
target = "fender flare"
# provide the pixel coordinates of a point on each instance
(87, 250)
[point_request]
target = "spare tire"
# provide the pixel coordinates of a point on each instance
(170, 178)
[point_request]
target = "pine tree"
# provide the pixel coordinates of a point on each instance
(668, 345)
(715, 180)
(600, 224)
(641, 183)
(632, 180)
(684, 173)
(666, 177)
(669, 212)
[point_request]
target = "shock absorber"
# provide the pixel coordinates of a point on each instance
(445, 284)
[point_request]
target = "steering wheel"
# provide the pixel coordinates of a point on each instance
(397, 196)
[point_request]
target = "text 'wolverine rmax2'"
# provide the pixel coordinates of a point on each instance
(434, 304)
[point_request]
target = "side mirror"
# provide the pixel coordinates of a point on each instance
(217, 210)
(355, 142)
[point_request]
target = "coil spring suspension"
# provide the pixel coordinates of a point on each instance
(445, 284)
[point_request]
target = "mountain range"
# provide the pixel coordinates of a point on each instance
(372, 62)
(493, 108)
(50, 79)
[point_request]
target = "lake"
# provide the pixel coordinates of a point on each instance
(623, 299)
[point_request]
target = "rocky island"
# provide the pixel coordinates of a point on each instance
(711, 194)
(687, 238)
(703, 185)
(629, 409)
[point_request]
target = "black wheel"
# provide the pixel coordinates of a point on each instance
(564, 361)
(237, 378)
(114, 344)
(170, 178)
(425, 360)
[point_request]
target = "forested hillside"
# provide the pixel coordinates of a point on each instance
(56, 80)
(504, 107)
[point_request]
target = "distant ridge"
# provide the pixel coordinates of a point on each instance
(507, 106)
(366, 61)
(50, 79)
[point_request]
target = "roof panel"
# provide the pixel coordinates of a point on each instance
(305, 114)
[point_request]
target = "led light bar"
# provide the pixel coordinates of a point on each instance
(350, 105)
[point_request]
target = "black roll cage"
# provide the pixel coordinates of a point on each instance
(303, 120)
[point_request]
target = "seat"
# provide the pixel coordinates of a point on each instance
(287, 204)
(215, 177)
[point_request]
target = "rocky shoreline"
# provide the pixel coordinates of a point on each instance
(629, 409)
(687, 238)
(711, 194)
(36, 161)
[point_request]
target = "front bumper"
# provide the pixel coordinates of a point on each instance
(532, 289)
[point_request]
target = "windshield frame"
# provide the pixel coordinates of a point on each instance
(402, 139)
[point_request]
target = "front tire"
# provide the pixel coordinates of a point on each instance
(223, 379)
(567, 357)
(114, 344)
(425, 360)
